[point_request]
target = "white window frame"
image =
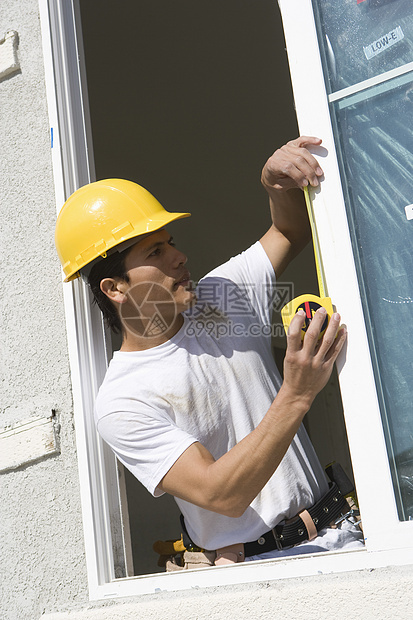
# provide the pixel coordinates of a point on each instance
(358, 389)
(389, 542)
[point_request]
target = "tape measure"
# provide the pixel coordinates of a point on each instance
(308, 302)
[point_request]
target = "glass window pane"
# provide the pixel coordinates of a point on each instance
(374, 138)
(364, 38)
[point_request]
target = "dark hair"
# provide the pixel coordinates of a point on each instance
(113, 266)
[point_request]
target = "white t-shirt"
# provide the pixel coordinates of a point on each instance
(212, 382)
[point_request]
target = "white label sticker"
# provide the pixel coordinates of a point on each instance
(409, 212)
(389, 39)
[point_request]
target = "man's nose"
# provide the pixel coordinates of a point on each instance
(180, 258)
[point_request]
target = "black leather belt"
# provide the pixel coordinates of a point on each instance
(293, 532)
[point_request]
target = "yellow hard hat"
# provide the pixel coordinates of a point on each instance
(102, 215)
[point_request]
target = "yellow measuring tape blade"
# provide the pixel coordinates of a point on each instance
(308, 302)
(316, 245)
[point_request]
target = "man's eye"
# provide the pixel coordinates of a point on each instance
(155, 252)
(172, 243)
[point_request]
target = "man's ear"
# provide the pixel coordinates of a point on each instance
(114, 289)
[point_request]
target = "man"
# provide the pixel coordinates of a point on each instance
(194, 410)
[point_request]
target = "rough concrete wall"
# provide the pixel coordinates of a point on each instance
(41, 542)
(381, 594)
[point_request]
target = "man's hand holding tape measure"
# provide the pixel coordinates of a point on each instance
(308, 363)
(293, 166)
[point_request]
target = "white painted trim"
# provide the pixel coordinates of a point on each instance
(72, 159)
(51, 103)
(9, 61)
(68, 291)
(361, 407)
(27, 441)
(254, 572)
(374, 81)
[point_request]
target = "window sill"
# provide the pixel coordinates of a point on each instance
(250, 572)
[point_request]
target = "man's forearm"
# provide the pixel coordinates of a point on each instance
(289, 216)
(238, 476)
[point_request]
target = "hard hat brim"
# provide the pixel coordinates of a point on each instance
(151, 227)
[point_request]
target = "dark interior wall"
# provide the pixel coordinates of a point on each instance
(189, 99)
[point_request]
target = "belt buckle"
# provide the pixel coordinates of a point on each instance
(278, 537)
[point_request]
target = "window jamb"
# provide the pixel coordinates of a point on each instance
(73, 166)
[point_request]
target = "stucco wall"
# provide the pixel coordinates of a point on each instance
(381, 594)
(42, 552)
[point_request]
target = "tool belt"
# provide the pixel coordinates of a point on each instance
(305, 526)
(329, 511)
